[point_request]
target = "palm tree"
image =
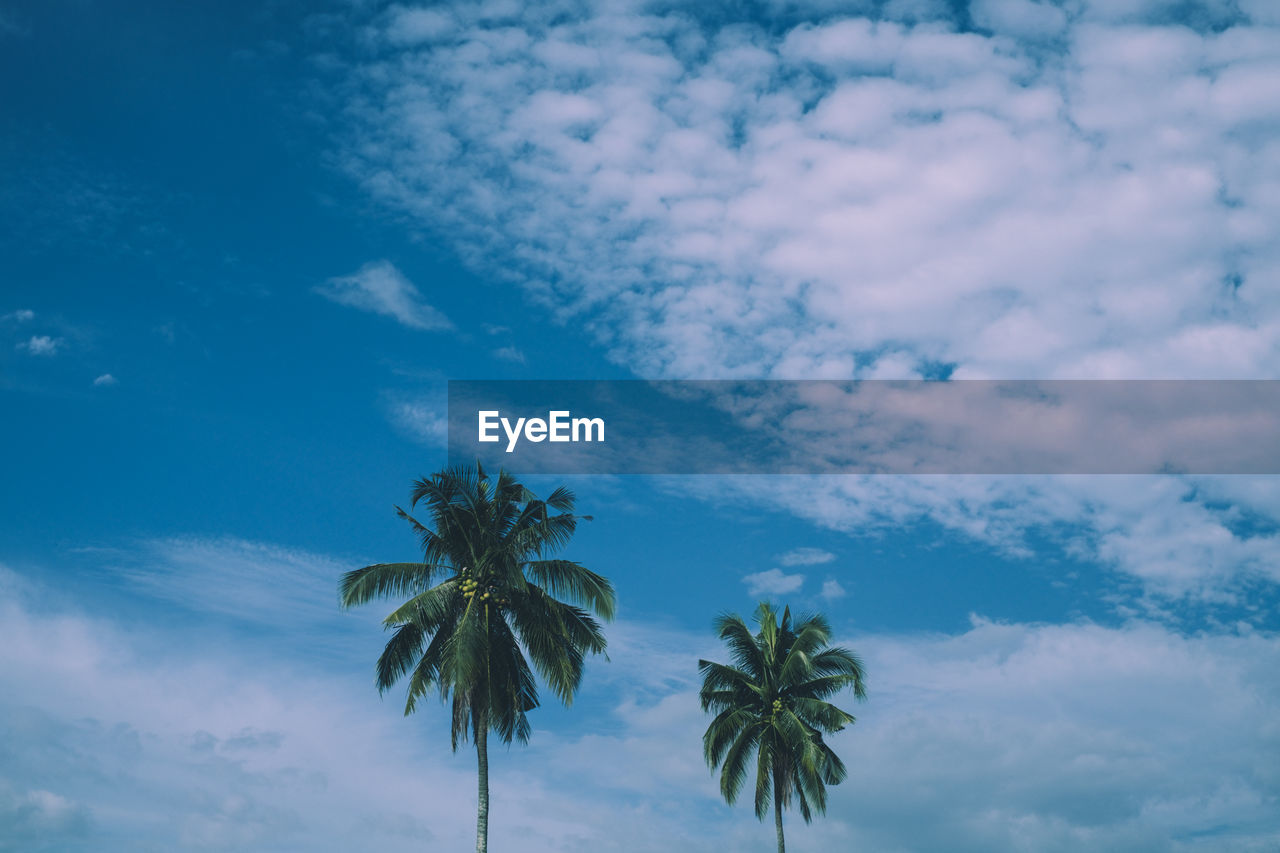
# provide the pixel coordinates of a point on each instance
(486, 594)
(772, 702)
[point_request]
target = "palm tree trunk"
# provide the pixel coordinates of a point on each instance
(777, 813)
(482, 809)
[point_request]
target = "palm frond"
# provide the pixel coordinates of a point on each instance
(384, 580)
(823, 686)
(557, 637)
(723, 731)
(544, 535)
(434, 548)
(743, 649)
(427, 609)
(840, 661)
(733, 772)
(401, 654)
(426, 674)
(574, 581)
(510, 685)
(833, 771)
(795, 667)
(719, 679)
(820, 715)
(561, 500)
(764, 777)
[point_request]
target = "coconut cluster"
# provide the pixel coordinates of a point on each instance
(471, 589)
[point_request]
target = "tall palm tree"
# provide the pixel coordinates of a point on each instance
(772, 702)
(485, 594)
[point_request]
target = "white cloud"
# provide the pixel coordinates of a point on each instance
(414, 26)
(831, 589)
(806, 557)
(43, 345)
(1008, 737)
(166, 743)
(423, 419)
(1000, 738)
(1091, 194)
(509, 354)
(1054, 737)
(380, 288)
(105, 380)
(852, 196)
(1085, 193)
(1027, 19)
(22, 315)
(772, 582)
(31, 817)
(148, 734)
(258, 585)
(1206, 539)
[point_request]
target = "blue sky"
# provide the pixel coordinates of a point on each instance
(246, 244)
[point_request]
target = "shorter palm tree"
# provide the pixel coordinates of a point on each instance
(772, 703)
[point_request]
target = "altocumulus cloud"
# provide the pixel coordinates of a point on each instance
(1086, 191)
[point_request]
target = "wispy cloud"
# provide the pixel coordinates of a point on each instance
(831, 590)
(805, 557)
(422, 417)
(22, 315)
(106, 380)
(379, 287)
(42, 345)
(509, 354)
(248, 582)
(11, 26)
(1172, 538)
(772, 582)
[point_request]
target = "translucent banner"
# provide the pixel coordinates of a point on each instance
(868, 426)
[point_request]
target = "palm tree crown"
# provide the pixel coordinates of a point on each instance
(485, 594)
(771, 703)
